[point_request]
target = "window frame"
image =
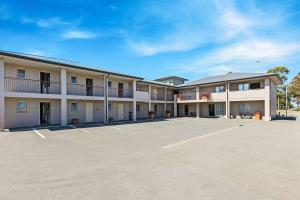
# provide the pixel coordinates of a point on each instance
(243, 87)
(18, 73)
(109, 106)
(72, 108)
(109, 84)
(218, 89)
(24, 109)
(72, 80)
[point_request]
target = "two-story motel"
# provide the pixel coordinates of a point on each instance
(39, 91)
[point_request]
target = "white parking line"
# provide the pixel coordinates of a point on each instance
(37, 132)
(83, 130)
(115, 127)
(198, 137)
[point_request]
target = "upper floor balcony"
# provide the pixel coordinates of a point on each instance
(251, 94)
(120, 93)
(85, 90)
(188, 96)
(21, 85)
(157, 96)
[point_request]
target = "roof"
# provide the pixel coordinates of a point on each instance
(61, 62)
(228, 77)
(171, 77)
(155, 82)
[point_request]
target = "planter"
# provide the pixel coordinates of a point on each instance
(151, 116)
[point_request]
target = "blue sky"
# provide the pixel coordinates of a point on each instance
(188, 38)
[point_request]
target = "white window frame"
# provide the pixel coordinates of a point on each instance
(18, 73)
(72, 80)
(20, 110)
(218, 89)
(74, 109)
(244, 86)
(110, 106)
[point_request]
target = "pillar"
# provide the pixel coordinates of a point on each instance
(267, 99)
(149, 98)
(175, 105)
(165, 103)
(134, 101)
(198, 110)
(105, 88)
(2, 102)
(63, 102)
(227, 101)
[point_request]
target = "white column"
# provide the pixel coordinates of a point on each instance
(63, 102)
(105, 113)
(2, 102)
(165, 103)
(175, 105)
(134, 101)
(227, 101)
(197, 104)
(267, 100)
(149, 98)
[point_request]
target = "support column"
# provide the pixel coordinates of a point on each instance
(227, 101)
(267, 99)
(134, 101)
(63, 102)
(165, 103)
(175, 105)
(105, 113)
(197, 104)
(2, 100)
(149, 98)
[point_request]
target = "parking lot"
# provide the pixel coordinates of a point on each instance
(182, 158)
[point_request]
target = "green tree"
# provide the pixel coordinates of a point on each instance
(282, 72)
(295, 86)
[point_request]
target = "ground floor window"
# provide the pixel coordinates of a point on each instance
(155, 109)
(137, 107)
(219, 110)
(21, 106)
(110, 106)
(244, 108)
(74, 107)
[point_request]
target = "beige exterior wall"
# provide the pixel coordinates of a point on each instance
(98, 110)
(32, 116)
(81, 78)
(114, 113)
(143, 111)
(254, 106)
(192, 109)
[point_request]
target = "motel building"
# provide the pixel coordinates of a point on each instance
(37, 91)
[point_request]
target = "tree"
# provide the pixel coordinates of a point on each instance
(295, 86)
(282, 72)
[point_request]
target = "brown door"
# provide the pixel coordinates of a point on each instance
(45, 82)
(89, 87)
(120, 89)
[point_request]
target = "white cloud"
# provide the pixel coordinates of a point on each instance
(45, 23)
(78, 34)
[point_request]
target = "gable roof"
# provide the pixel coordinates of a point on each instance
(228, 77)
(61, 62)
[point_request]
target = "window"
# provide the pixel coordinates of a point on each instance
(74, 80)
(74, 107)
(255, 85)
(219, 109)
(21, 106)
(220, 89)
(155, 109)
(137, 107)
(21, 73)
(110, 106)
(243, 86)
(244, 108)
(109, 84)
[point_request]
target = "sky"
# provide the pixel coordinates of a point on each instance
(152, 39)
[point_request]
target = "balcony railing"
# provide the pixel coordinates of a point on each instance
(85, 90)
(186, 96)
(205, 96)
(170, 97)
(120, 93)
(158, 96)
(12, 84)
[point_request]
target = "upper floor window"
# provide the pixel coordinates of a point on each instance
(109, 84)
(74, 80)
(21, 106)
(243, 86)
(220, 89)
(255, 85)
(21, 73)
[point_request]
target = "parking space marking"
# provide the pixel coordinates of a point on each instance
(198, 137)
(38, 133)
(83, 130)
(115, 127)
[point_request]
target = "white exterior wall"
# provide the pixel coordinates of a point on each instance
(143, 112)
